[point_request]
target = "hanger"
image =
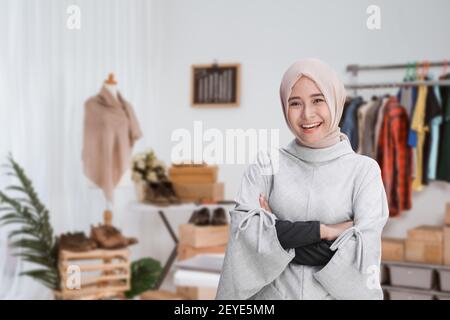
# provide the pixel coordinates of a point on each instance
(410, 72)
(425, 69)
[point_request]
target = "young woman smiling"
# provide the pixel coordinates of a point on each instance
(312, 229)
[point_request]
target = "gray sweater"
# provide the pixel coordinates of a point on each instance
(330, 185)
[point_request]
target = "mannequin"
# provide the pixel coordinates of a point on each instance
(111, 85)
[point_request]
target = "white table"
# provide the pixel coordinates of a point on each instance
(191, 206)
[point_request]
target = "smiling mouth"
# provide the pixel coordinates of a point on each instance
(311, 126)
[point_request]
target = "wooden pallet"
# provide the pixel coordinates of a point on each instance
(102, 274)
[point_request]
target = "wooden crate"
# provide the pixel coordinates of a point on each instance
(188, 192)
(103, 273)
(392, 249)
(203, 236)
(447, 246)
(426, 233)
(193, 174)
(447, 214)
(197, 293)
(186, 252)
(423, 251)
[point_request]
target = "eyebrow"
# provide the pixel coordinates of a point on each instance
(311, 96)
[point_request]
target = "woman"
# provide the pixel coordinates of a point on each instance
(312, 229)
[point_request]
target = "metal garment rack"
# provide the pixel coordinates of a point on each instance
(355, 69)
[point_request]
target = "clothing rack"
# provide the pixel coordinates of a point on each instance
(398, 84)
(356, 68)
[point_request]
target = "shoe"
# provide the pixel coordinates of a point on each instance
(169, 192)
(219, 217)
(201, 217)
(156, 194)
(108, 237)
(77, 242)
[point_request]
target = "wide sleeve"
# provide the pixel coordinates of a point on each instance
(354, 270)
(254, 256)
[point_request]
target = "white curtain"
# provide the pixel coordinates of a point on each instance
(47, 72)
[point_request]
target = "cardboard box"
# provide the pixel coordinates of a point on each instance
(197, 293)
(186, 251)
(423, 251)
(447, 246)
(188, 192)
(203, 236)
(427, 233)
(447, 214)
(392, 249)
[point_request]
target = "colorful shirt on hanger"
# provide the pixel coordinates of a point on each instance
(432, 110)
(418, 125)
(435, 126)
(443, 171)
(361, 121)
(368, 146)
(378, 123)
(394, 157)
(350, 127)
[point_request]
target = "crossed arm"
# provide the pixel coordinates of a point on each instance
(310, 239)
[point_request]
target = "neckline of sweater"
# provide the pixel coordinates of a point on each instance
(335, 151)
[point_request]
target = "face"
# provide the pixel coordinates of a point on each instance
(308, 112)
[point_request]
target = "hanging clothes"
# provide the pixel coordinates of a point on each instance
(378, 123)
(394, 157)
(361, 121)
(432, 110)
(368, 133)
(418, 126)
(443, 171)
(350, 125)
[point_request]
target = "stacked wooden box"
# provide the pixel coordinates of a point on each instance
(196, 183)
(425, 245)
(393, 249)
(447, 236)
(195, 240)
(418, 267)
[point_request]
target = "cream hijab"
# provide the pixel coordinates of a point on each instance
(331, 87)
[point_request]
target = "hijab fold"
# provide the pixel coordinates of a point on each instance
(331, 87)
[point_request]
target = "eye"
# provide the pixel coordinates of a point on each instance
(317, 101)
(294, 104)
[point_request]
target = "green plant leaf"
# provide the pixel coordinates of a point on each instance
(144, 274)
(36, 241)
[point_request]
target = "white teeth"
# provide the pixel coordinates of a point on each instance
(309, 126)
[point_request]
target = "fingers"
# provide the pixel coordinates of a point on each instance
(263, 203)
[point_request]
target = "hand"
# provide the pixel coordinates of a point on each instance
(263, 203)
(332, 231)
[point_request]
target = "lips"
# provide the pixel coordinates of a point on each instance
(309, 126)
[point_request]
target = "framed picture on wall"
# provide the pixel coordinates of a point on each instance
(215, 85)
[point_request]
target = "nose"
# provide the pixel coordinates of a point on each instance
(308, 112)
